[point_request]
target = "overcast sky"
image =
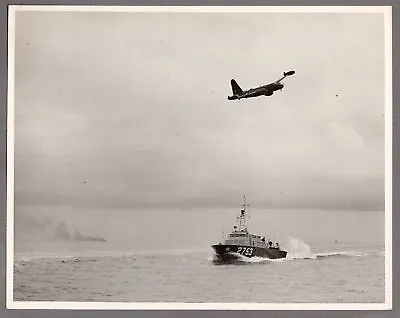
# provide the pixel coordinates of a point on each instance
(127, 110)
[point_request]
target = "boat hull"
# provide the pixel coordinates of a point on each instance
(231, 252)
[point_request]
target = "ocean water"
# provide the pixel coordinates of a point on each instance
(341, 272)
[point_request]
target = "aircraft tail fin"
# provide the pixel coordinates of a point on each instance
(236, 90)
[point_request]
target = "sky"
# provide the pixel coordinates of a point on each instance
(129, 111)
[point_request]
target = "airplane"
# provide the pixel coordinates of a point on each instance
(266, 90)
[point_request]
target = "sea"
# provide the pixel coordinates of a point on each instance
(334, 272)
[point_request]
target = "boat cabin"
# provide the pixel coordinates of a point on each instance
(245, 238)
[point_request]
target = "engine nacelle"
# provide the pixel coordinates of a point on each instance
(269, 93)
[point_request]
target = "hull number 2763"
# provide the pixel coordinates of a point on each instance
(245, 250)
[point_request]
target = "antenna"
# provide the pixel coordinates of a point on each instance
(244, 205)
(242, 217)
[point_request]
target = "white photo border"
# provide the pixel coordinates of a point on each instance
(387, 305)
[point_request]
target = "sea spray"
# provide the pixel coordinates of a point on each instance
(297, 248)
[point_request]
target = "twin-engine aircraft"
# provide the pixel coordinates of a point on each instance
(266, 90)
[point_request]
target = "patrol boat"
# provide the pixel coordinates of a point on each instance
(242, 243)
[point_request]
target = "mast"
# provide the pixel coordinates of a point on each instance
(242, 218)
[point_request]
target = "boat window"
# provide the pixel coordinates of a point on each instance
(240, 235)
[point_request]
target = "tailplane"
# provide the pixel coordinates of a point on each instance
(236, 90)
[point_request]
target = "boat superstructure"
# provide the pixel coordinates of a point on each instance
(240, 242)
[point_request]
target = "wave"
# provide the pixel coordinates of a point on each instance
(238, 259)
(349, 254)
(296, 248)
(342, 254)
(299, 250)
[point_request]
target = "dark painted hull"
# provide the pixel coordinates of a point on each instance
(232, 252)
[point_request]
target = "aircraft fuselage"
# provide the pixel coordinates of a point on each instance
(266, 90)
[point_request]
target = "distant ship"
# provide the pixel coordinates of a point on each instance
(63, 234)
(242, 243)
(79, 237)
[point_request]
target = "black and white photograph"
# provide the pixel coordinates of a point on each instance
(199, 157)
